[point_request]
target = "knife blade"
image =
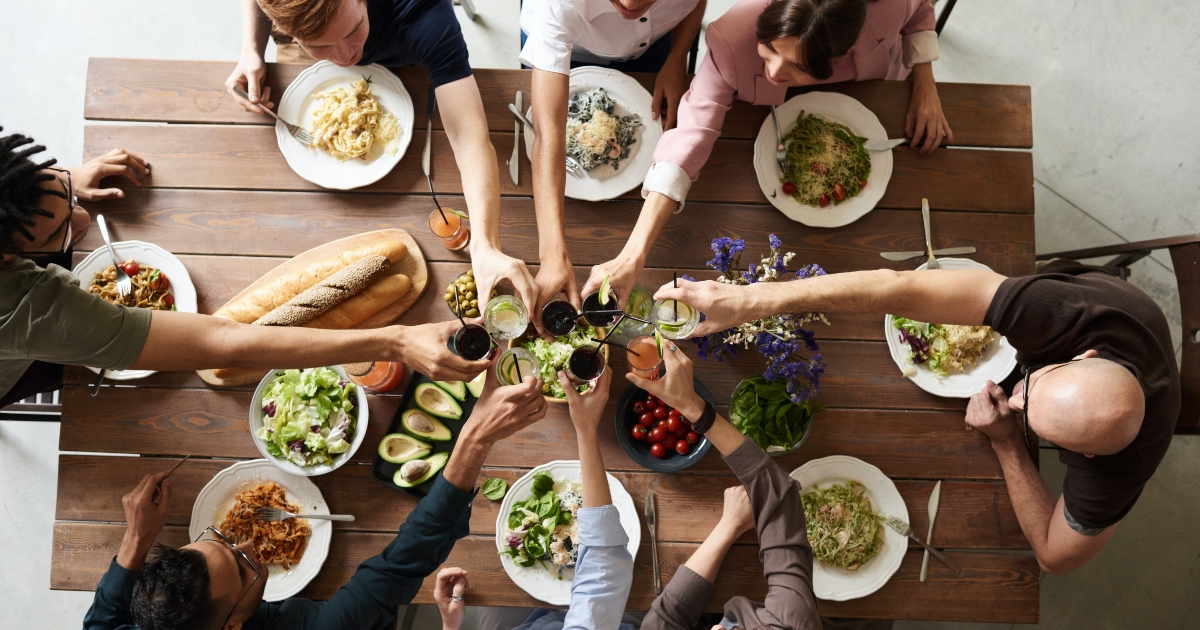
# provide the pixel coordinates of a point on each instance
(514, 164)
(934, 498)
(949, 251)
(425, 153)
(884, 145)
(651, 525)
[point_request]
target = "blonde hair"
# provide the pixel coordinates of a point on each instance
(304, 20)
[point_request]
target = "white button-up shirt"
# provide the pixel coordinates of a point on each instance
(592, 31)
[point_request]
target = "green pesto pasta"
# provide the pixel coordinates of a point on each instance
(843, 529)
(825, 162)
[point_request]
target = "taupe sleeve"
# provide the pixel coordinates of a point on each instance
(681, 602)
(783, 546)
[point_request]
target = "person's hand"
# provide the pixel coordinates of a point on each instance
(926, 125)
(249, 75)
(555, 276)
(448, 593)
(669, 86)
(624, 272)
(423, 348)
(722, 304)
(146, 509)
(492, 265)
(988, 412)
(587, 409)
(86, 177)
(503, 410)
(675, 387)
(737, 516)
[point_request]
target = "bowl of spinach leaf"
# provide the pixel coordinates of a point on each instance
(762, 411)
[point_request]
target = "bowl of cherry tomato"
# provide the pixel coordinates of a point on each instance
(655, 435)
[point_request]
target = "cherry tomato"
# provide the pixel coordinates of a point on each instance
(673, 424)
(788, 188)
(158, 281)
(646, 419)
(819, 169)
(685, 422)
(660, 413)
(693, 438)
(824, 201)
(652, 398)
(639, 433)
(862, 183)
(131, 268)
(658, 435)
(839, 191)
(682, 447)
(658, 450)
(674, 413)
(169, 300)
(639, 407)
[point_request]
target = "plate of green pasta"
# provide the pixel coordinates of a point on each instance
(855, 553)
(830, 179)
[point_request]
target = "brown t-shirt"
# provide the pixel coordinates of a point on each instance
(1051, 318)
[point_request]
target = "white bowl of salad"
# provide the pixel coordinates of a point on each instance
(308, 422)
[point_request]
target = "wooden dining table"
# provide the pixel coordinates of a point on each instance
(222, 198)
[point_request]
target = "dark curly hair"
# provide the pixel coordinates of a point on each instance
(174, 593)
(826, 29)
(21, 189)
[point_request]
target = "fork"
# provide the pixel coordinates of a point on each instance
(572, 164)
(904, 530)
(124, 285)
(932, 263)
(273, 514)
(780, 150)
(299, 133)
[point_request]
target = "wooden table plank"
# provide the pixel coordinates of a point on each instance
(975, 514)
(993, 587)
(247, 157)
(155, 90)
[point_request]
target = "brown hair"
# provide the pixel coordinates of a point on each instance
(304, 20)
(826, 29)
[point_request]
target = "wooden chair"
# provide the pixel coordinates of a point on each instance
(1185, 255)
(45, 407)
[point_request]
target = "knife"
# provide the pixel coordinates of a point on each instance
(949, 251)
(934, 498)
(651, 525)
(514, 165)
(429, 109)
(884, 145)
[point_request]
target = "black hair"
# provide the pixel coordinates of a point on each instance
(826, 29)
(174, 593)
(21, 189)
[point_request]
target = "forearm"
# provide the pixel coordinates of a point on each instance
(656, 210)
(1031, 498)
(466, 460)
(685, 32)
(722, 434)
(188, 341)
(922, 75)
(549, 97)
(256, 28)
(467, 131)
(133, 550)
(706, 560)
(591, 463)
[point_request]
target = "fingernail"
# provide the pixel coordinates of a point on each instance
(167, 482)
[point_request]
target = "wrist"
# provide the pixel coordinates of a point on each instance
(397, 338)
(133, 550)
(693, 408)
(726, 532)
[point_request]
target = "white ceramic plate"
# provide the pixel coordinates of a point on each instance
(603, 183)
(216, 498)
(995, 365)
(536, 580)
(144, 254)
(832, 107)
(360, 429)
(836, 584)
(297, 105)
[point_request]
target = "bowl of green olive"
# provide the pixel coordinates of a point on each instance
(468, 300)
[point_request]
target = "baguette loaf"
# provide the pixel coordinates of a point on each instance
(326, 294)
(274, 294)
(383, 292)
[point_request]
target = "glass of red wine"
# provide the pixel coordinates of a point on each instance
(472, 342)
(559, 317)
(586, 364)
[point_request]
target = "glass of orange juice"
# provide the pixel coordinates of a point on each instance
(644, 357)
(448, 225)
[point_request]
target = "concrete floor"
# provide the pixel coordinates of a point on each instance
(1112, 114)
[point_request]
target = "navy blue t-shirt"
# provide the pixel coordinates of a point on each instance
(417, 32)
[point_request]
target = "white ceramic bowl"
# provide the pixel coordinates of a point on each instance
(360, 429)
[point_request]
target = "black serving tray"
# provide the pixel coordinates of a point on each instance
(383, 471)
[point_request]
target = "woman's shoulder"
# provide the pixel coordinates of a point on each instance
(737, 28)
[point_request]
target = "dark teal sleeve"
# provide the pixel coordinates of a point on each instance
(389, 580)
(110, 607)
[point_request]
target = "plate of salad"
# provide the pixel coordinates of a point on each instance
(947, 360)
(537, 529)
(308, 422)
(763, 412)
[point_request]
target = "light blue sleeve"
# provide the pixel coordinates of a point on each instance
(603, 572)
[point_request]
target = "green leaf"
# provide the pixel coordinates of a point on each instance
(542, 484)
(494, 488)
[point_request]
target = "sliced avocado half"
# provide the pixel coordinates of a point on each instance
(477, 383)
(398, 448)
(422, 425)
(418, 471)
(457, 389)
(437, 402)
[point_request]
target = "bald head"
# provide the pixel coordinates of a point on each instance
(1093, 406)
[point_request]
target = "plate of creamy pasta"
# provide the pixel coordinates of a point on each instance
(291, 551)
(160, 282)
(361, 119)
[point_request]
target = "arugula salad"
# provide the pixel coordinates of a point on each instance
(553, 356)
(308, 416)
(543, 530)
